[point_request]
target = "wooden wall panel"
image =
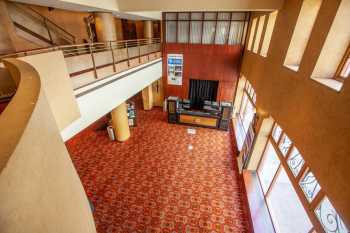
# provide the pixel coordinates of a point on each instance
(206, 62)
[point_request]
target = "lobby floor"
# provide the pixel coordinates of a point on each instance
(162, 179)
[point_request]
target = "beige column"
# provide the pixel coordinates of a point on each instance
(105, 26)
(158, 93)
(147, 98)
(119, 29)
(120, 122)
(148, 29)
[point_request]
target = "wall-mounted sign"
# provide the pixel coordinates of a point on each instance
(175, 69)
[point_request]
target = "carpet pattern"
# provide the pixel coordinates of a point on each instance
(162, 179)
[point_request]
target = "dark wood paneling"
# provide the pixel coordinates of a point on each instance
(207, 62)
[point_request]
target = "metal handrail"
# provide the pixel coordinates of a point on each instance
(67, 49)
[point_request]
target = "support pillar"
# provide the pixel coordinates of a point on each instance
(105, 26)
(147, 97)
(148, 29)
(158, 93)
(120, 122)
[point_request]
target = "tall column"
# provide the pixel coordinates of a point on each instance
(148, 29)
(105, 26)
(120, 122)
(158, 93)
(147, 98)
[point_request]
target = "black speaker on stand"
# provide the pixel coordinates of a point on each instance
(173, 104)
(226, 115)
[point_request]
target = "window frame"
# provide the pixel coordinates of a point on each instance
(243, 34)
(309, 206)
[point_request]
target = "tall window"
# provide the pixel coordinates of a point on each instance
(258, 33)
(293, 195)
(268, 33)
(247, 108)
(332, 65)
(301, 33)
(206, 27)
(252, 33)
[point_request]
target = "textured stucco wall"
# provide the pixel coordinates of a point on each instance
(315, 117)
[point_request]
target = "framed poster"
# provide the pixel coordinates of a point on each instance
(175, 69)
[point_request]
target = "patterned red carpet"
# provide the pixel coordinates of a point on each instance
(155, 183)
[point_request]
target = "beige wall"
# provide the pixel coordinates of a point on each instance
(57, 86)
(196, 5)
(71, 21)
(315, 117)
(9, 41)
(40, 190)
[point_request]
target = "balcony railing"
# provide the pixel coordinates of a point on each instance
(87, 63)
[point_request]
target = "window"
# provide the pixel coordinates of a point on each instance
(251, 34)
(258, 33)
(329, 218)
(287, 216)
(268, 33)
(333, 61)
(247, 108)
(301, 33)
(206, 27)
(293, 195)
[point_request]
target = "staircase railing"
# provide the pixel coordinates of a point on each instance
(52, 33)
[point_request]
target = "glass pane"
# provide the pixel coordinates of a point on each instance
(208, 32)
(295, 161)
(224, 16)
(196, 32)
(236, 32)
(276, 133)
(210, 16)
(310, 186)
(285, 144)
(183, 31)
(238, 16)
(170, 16)
(196, 16)
(184, 16)
(268, 167)
(222, 32)
(329, 218)
(171, 31)
(287, 212)
(248, 115)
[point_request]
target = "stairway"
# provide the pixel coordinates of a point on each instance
(36, 28)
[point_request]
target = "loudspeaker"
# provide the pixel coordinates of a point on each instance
(226, 113)
(173, 103)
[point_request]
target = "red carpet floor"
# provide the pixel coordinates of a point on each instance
(155, 183)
